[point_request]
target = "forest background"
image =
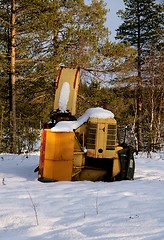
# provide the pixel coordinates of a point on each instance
(126, 76)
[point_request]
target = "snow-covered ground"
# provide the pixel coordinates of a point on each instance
(31, 210)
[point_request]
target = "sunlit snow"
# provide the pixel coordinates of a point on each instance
(126, 210)
(69, 126)
(64, 97)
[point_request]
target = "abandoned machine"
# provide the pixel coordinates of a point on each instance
(85, 148)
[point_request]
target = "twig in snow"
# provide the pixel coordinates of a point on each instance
(3, 181)
(97, 206)
(34, 208)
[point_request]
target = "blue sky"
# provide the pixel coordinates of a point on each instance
(113, 21)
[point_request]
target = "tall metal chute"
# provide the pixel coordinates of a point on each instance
(67, 84)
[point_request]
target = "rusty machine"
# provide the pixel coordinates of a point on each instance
(85, 148)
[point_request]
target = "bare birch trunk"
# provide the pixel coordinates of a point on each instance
(152, 114)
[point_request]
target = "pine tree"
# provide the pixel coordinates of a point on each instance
(142, 28)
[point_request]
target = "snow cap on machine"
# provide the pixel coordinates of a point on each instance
(69, 126)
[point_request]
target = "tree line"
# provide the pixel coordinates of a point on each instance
(37, 36)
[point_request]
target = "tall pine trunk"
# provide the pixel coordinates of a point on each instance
(13, 78)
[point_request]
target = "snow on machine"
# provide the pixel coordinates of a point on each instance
(85, 148)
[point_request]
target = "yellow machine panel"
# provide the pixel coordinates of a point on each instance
(56, 158)
(101, 138)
